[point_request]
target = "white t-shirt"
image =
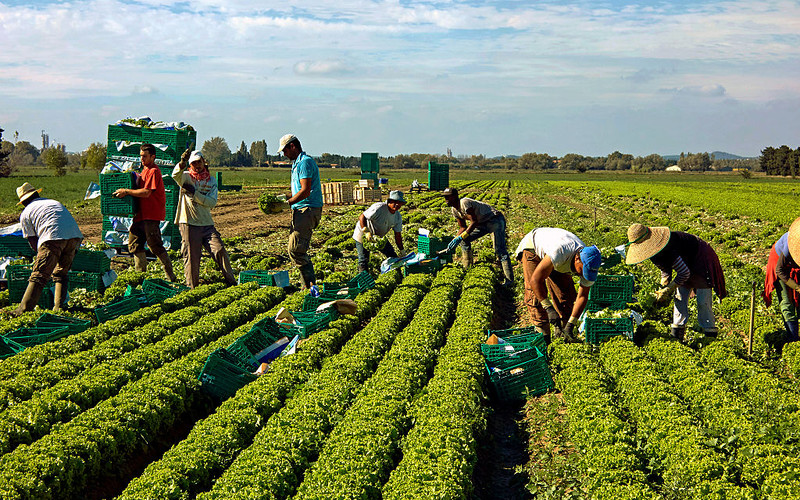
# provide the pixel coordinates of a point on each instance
(559, 244)
(379, 221)
(483, 211)
(48, 220)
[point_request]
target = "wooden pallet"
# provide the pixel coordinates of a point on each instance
(337, 193)
(366, 195)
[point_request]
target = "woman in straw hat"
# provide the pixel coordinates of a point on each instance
(696, 267)
(782, 269)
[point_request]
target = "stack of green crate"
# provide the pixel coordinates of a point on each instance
(124, 142)
(438, 176)
(370, 167)
(609, 292)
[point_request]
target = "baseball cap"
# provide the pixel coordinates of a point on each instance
(196, 155)
(449, 192)
(590, 257)
(286, 139)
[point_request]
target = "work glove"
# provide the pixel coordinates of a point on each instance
(451, 247)
(185, 156)
(665, 281)
(553, 316)
(568, 332)
(664, 294)
(367, 235)
(189, 188)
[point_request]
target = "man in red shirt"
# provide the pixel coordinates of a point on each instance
(152, 210)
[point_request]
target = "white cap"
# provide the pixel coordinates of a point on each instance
(286, 139)
(196, 155)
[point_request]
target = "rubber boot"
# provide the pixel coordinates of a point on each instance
(307, 276)
(508, 272)
(140, 262)
(164, 258)
(466, 257)
(59, 294)
(792, 330)
(710, 332)
(30, 299)
(678, 332)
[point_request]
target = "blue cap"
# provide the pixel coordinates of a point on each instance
(590, 257)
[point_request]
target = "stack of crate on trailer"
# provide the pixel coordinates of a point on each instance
(124, 142)
(438, 176)
(337, 193)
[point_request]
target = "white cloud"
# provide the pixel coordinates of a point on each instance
(320, 68)
(144, 89)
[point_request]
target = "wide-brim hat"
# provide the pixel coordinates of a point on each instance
(644, 242)
(794, 240)
(25, 191)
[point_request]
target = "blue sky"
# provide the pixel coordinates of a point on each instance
(491, 78)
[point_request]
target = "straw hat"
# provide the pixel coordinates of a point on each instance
(25, 191)
(794, 240)
(644, 242)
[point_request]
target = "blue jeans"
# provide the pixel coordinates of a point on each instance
(705, 314)
(363, 255)
(496, 226)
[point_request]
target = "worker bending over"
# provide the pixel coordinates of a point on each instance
(376, 222)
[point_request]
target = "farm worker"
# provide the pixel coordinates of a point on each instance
(476, 219)
(198, 196)
(376, 222)
(782, 269)
(696, 267)
(53, 233)
(415, 185)
(152, 209)
(306, 205)
(550, 256)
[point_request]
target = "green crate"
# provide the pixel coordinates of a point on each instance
(508, 354)
(308, 322)
(517, 382)
(118, 180)
(15, 246)
(370, 163)
(74, 325)
(177, 141)
(117, 206)
(17, 279)
(597, 330)
(261, 335)
(222, 376)
(130, 291)
(119, 307)
(428, 266)
(34, 335)
(9, 348)
(613, 291)
(92, 282)
(265, 278)
(158, 290)
(525, 334)
(431, 245)
(124, 133)
(91, 261)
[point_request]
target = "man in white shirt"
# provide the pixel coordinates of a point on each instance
(376, 222)
(550, 256)
(53, 233)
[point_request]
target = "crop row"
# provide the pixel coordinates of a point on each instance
(28, 382)
(439, 452)
(42, 354)
(105, 369)
(612, 467)
(193, 464)
(96, 443)
(273, 465)
(687, 465)
(379, 415)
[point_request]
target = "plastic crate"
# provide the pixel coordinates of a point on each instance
(124, 133)
(431, 245)
(74, 325)
(597, 330)
(158, 290)
(613, 291)
(119, 307)
(34, 335)
(90, 260)
(117, 206)
(9, 348)
(428, 266)
(15, 246)
(17, 276)
(139, 294)
(222, 376)
(92, 282)
(172, 199)
(370, 162)
(308, 322)
(265, 278)
(262, 335)
(516, 382)
(526, 334)
(509, 354)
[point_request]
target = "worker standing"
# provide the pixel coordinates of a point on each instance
(550, 256)
(198, 196)
(696, 267)
(306, 205)
(782, 268)
(376, 222)
(55, 237)
(476, 219)
(151, 211)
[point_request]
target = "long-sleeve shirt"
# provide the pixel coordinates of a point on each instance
(682, 256)
(195, 209)
(786, 263)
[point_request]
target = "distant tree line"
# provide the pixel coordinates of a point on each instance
(781, 161)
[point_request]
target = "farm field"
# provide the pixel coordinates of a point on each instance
(393, 402)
